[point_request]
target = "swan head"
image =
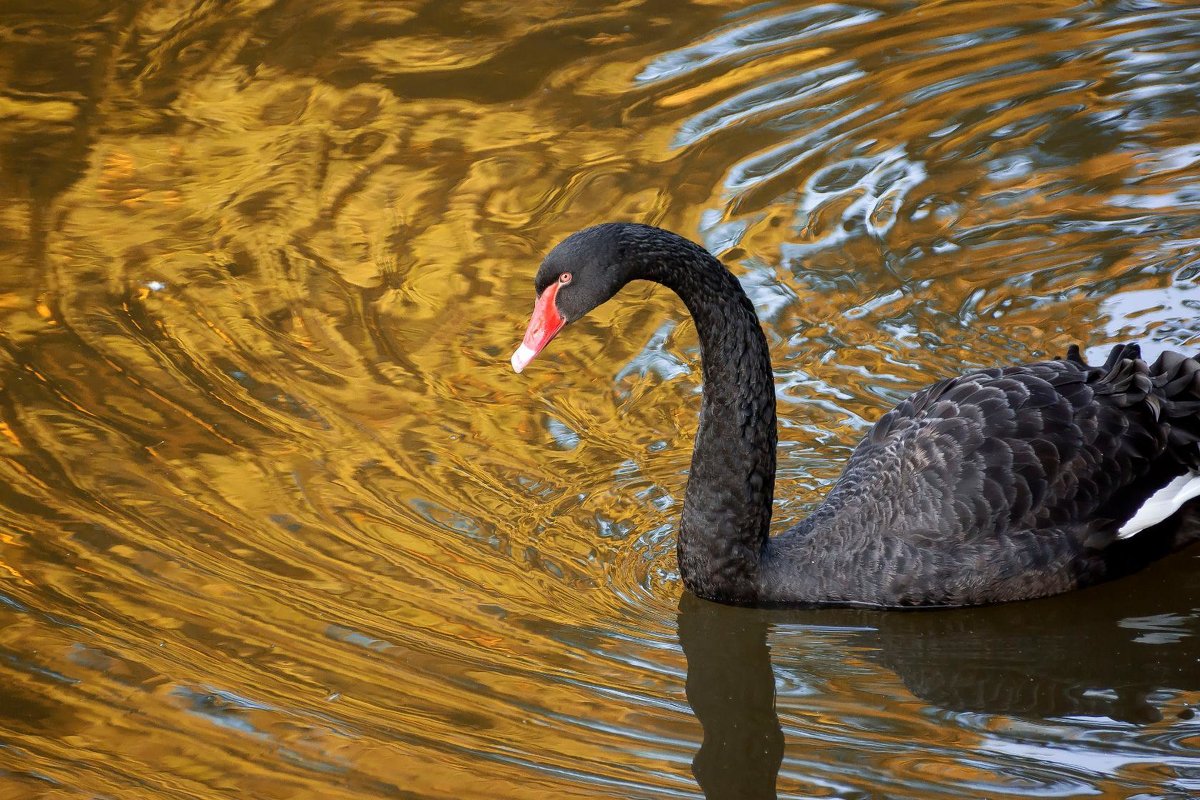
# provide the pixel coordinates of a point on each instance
(580, 273)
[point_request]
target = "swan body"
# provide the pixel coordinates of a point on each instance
(996, 485)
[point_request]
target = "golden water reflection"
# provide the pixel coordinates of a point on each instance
(276, 519)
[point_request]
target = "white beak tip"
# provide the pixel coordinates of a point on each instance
(521, 358)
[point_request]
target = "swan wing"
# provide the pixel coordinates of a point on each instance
(1102, 451)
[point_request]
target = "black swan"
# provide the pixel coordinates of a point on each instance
(997, 485)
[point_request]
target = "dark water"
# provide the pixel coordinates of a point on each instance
(278, 521)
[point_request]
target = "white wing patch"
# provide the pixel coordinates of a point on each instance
(1162, 504)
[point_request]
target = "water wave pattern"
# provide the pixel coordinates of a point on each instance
(276, 520)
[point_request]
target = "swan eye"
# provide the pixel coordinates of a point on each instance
(564, 278)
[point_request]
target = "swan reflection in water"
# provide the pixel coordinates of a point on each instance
(992, 487)
(1120, 651)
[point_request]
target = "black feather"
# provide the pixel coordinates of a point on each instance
(1000, 484)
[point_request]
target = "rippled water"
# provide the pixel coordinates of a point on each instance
(278, 521)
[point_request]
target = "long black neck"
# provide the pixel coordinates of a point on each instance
(727, 505)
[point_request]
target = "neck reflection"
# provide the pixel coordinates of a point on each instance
(731, 689)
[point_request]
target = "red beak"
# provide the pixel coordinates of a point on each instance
(543, 325)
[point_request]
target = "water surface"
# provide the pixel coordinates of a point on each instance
(278, 521)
